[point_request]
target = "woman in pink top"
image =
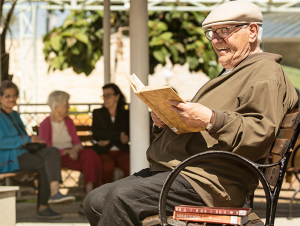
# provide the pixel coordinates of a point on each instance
(58, 130)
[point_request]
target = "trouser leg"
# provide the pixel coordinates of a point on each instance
(132, 199)
(108, 166)
(29, 161)
(51, 157)
(122, 160)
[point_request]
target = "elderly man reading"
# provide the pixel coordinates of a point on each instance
(241, 110)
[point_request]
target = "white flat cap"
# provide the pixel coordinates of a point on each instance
(234, 12)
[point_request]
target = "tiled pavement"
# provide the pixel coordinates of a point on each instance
(26, 215)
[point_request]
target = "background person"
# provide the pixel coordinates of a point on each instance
(241, 111)
(58, 130)
(110, 129)
(13, 156)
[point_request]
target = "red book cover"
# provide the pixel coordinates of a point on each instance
(210, 218)
(214, 210)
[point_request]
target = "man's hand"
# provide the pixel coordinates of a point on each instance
(36, 139)
(124, 138)
(157, 121)
(193, 114)
(103, 142)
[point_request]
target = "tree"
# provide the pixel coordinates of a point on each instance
(175, 35)
(77, 43)
(179, 36)
(5, 26)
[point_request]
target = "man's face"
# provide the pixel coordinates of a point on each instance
(233, 49)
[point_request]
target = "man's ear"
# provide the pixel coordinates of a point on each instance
(253, 29)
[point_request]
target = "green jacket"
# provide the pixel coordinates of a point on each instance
(249, 103)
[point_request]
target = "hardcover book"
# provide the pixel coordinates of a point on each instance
(214, 210)
(157, 99)
(210, 218)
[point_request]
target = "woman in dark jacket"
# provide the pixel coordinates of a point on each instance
(111, 131)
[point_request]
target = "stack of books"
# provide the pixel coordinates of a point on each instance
(214, 215)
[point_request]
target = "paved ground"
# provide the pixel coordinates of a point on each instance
(26, 215)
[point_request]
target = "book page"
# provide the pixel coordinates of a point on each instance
(138, 81)
(135, 83)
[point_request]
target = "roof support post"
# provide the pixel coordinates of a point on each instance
(139, 64)
(106, 41)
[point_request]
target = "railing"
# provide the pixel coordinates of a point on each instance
(34, 114)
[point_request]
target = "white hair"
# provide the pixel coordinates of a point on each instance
(57, 98)
(259, 34)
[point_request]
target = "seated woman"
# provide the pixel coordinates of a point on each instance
(13, 155)
(58, 130)
(111, 130)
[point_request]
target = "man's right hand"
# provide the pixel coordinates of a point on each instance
(157, 121)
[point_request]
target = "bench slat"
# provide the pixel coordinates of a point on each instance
(272, 175)
(13, 174)
(85, 138)
(290, 121)
(83, 128)
(150, 221)
(280, 147)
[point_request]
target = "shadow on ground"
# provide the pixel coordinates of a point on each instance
(26, 212)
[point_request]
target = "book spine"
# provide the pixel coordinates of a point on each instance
(217, 219)
(212, 211)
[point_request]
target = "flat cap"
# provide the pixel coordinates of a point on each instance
(234, 12)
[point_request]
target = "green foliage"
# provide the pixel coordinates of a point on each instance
(174, 35)
(179, 36)
(77, 43)
(293, 74)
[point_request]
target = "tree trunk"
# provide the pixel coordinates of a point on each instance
(5, 66)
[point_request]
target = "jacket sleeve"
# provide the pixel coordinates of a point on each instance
(255, 122)
(45, 131)
(9, 142)
(72, 131)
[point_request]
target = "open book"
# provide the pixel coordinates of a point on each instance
(157, 99)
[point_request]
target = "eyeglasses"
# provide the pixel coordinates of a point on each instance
(10, 96)
(109, 95)
(221, 32)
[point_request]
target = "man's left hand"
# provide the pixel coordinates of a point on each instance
(193, 114)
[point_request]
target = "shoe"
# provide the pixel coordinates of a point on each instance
(48, 214)
(80, 210)
(59, 198)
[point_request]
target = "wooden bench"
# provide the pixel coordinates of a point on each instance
(270, 175)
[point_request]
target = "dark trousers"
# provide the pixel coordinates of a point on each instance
(129, 201)
(47, 163)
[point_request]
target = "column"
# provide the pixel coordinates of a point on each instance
(106, 41)
(139, 64)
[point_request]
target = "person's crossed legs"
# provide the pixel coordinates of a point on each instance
(130, 200)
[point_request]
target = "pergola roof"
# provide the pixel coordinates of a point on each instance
(281, 25)
(164, 5)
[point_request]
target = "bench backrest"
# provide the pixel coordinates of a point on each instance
(83, 131)
(283, 148)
